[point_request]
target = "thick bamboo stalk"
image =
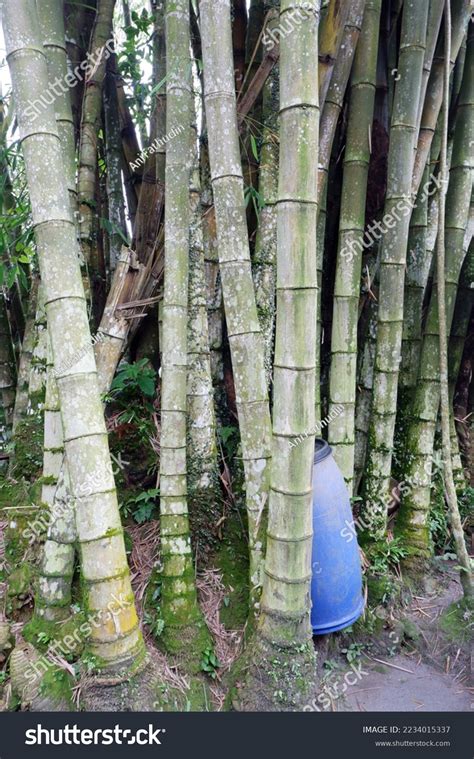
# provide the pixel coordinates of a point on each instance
(337, 88)
(51, 20)
(284, 618)
(419, 259)
(116, 639)
(179, 607)
(215, 308)
(415, 506)
(53, 596)
(461, 11)
(245, 338)
(449, 485)
(435, 16)
(202, 447)
(53, 445)
(331, 31)
(342, 384)
(397, 211)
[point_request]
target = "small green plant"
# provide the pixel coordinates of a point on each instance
(3, 678)
(385, 555)
(154, 623)
(329, 665)
(353, 652)
(209, 662)
(90, 662)
(230, 439)
(131, 377)
(142, 506)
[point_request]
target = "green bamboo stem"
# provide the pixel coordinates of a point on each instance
(202, 447)
(393, 12)
(284, 618)
(113, 151)
(51, 21)
(461, 11)
(264, 258)
(335, 95)
(397, 210)
(419, 259)
(7, 380)
(320, 238)
(90, 125)
(457, 340)
(364, 394)
(213, 281)
(78, 20)
(245, 338)
(179, 607)
(342, 383)
(449, 485)
(435, 16)
(415, 506)
(282, 642)
(26, 355)
(331, 30)
(37, 376)
(470, 434)
(53, 596)
(116, 639)
(53, 445)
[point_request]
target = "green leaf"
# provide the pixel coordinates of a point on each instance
(253, 144)
(146, 385)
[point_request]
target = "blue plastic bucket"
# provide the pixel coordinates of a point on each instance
(336, 585)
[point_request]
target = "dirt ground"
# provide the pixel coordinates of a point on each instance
(433, 671)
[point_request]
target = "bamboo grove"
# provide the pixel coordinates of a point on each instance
(228, 228)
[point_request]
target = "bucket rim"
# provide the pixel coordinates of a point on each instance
(322, 450)
(342, 622)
